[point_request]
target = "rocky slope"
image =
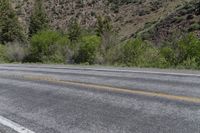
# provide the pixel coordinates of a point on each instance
(128, 16)
(182, 20)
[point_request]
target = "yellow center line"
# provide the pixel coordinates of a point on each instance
(115, 89)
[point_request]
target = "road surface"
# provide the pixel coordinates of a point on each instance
(72, 99)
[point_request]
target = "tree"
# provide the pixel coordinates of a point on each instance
(10, 29)
(38, 20)
(74, 30)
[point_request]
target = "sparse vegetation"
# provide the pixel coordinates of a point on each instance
(15, 52)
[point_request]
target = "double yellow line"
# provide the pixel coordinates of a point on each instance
(115, 89)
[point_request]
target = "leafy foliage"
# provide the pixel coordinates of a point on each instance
(47, 46)
(186, 49)
(88, 49)
(131, 51)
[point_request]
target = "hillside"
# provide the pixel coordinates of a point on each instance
(128, 16)
(139, 33)
(183, 20)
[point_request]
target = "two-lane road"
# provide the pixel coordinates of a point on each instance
(72, 99)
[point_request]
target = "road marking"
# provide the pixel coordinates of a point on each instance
(118, 70)
(108, 88)
(18, 128)
(115, 89)
(133, 71)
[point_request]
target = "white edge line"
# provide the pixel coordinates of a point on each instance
(145, 72)
(130, 71)
(16, 127)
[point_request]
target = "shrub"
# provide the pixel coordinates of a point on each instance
(169, 55)
(187, 49)
(3, 58)
(88, 49)
(131, 51)
(151, 57)
(190, 46)
(189, 63)
(113, 55)
(15, 52)
(48, 46)
(58, 56)
(141, 54)
(195, 26)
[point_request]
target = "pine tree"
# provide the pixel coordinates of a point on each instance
(38, 20)
(10, 29)
(74, 30)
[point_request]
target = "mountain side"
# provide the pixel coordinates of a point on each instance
(128, 16)
(183, 20)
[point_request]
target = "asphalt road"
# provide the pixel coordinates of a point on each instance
(72, 99)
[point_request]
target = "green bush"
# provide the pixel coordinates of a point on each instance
(141, 54)
(184, 52)
(151, 57)
(189, 63)
(189, 48)
(48, 46)
(88, 49)
(169, 55)
(131, 51)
